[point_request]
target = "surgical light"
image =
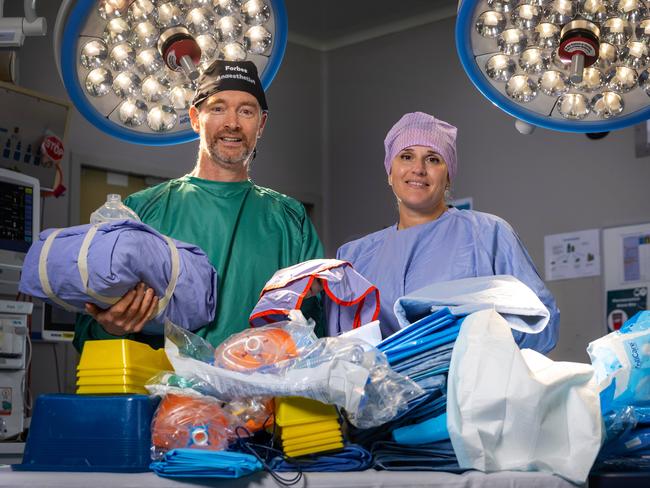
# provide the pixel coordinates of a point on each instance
(570, 65)
(130, 66)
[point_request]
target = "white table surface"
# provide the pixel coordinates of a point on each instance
(363, 479)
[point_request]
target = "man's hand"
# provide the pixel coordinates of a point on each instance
(129, 314)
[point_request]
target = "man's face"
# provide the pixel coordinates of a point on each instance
(229, 123)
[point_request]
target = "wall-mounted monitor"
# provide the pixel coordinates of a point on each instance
(19, 225)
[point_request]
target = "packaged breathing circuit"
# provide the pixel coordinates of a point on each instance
(191, 420)
(254, 414)
(286, 359)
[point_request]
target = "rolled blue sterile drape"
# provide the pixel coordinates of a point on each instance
(101, 263)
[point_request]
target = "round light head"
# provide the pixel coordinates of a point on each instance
(616, 31)
(594, 10)
(107, 53)
(142, 10)
(573, 106)
(126, 84)
(133, 112)
(533, 60)
(526, 16)
(559, 12)
(529, 66)
(635, 55)
(500, 67)
(642, 31)
(512, 41)
(521, 88)
(491, 23)
(553, 83)
(631, 10)
(503, 6)
(607, 105)
(546, 35)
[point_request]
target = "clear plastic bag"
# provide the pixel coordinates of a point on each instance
(619, 422)
(334, 370)
(256, 348)
(113, 209)
(254, 414)
(191, 420)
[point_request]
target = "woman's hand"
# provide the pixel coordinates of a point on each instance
(129, 314)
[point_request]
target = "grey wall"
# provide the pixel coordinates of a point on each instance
(542, 184)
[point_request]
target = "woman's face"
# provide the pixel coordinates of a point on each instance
(419, 178)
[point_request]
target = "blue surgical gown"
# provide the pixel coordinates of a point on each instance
(459, 244)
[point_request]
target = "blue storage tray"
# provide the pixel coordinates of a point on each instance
(89, 433)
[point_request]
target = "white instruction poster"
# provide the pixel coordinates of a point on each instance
(572, 255)
(626, 252)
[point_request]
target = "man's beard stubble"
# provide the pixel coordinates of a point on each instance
(224, 160)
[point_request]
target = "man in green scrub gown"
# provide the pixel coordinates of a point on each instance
(247, 231)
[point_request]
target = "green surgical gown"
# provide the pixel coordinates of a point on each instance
(247, 231)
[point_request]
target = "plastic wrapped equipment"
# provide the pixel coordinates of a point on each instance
(339, 371)
(101, 263)
(191, 420)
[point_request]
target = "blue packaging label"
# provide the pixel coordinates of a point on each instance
(637, 352)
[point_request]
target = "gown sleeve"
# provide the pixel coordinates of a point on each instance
(512, 258)
(312, 249)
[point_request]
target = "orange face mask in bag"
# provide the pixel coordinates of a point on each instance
(254, 348)
(191, 421)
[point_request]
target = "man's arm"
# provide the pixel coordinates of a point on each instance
(122, 320)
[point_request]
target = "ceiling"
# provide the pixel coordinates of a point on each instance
(328, 24)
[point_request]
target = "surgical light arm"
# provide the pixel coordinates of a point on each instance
(13, 30)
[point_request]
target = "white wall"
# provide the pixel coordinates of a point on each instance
(542, 184)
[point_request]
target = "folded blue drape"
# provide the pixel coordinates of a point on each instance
(196, 463)
(351, 458)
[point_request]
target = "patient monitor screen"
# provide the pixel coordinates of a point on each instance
(16, 211)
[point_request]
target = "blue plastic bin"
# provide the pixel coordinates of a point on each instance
(89, 433)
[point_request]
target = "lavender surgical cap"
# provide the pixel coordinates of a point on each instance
(420, 129)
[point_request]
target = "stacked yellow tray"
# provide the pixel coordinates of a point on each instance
(118, 366)
(307, 426)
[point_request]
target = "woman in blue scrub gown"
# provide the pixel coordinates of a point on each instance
(432, 242)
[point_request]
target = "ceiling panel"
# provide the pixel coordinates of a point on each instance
(326, 21)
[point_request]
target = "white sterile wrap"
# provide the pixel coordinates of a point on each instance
(512, 409)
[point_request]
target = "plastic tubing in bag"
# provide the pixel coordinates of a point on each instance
(193, 421)
(341, 371)
(254, 413)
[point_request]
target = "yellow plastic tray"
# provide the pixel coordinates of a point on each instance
(298, 411)
(122, 353)
(313, 450)
(111, 389)
(299, 431)
(315, 440)
(112, 380)
(118, 371)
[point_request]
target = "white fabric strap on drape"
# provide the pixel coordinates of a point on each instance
(43, 276)
(173, 279)
(82, 264)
